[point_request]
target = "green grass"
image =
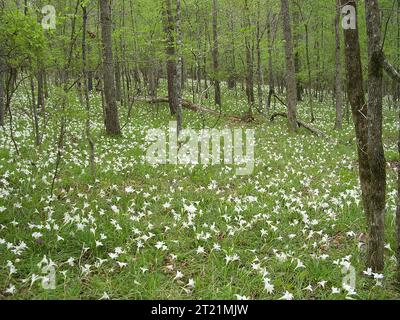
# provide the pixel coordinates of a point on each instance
(308, 209)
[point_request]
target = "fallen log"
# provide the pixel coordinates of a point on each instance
(313, 130)
(194, 107)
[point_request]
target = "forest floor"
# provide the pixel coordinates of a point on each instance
(293, 229)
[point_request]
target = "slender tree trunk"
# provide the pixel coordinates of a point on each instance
(217, 85)
(249, 59)
(397, 89)
(170, 50)
(232, 76)
(271, 83)
(34, 111)
(296, 49)
(398, 149)
(179, 67)
(40, 91)
(118, 85)
(259, 70)
(376, 156)
(2, 91)
(398, 202)
(86, 95)
(111, 109)
(290, 68)
(338, 72)
(310, 100)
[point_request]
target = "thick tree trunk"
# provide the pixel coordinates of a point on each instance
(111, 109)
(355, 93)
(368, 125)
(376, 154)
(338, 72)
(290, 67)
(217, 85)
(171, 59)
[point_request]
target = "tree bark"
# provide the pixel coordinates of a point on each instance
(271, 83)
(170, 50)
(338, 72)
(179, 67)
(367, 120)
(2, 91)
(217, 85)
(249, 59)
(86, 95)
(290, 67)
(376, 156)
(111, 109)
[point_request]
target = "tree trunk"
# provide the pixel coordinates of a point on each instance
(170, 50)
(310, 100)
(34, 112)
(118, 86)
(111, 109)
(271, 84)
(40, 92)
(398, 202)
(179, 67)
(338, 72)
(249, 60)
(398, 149)
(259, 70)
(371, 162)
(290, 68)
(2, 91)
(232, 69)
(86, 94)
(217, 86)
(376, 156)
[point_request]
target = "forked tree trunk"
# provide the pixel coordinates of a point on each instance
(290, 68)
(111, 109)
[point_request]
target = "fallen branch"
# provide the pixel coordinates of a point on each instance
(391, 70)
(195, 107)
(313, 130)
